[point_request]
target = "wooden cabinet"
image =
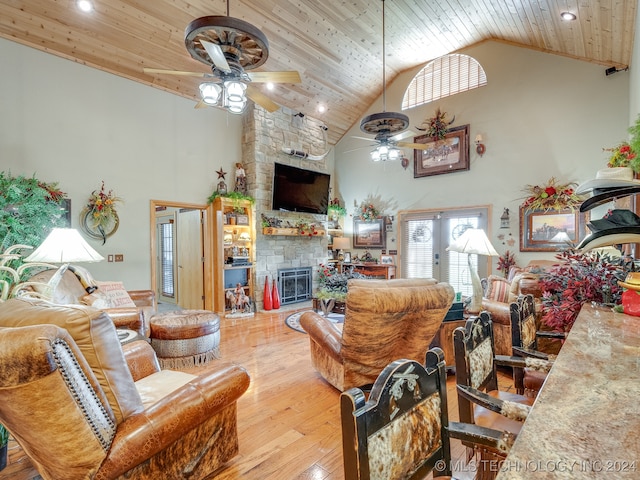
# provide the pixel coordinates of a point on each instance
(376, 270)
(233, 259)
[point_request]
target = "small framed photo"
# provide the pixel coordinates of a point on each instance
(386, 259)
(347, 257)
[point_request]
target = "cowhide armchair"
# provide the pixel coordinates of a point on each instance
(384, 320)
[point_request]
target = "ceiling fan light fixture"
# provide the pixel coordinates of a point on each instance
(210, 92)
(235, 91)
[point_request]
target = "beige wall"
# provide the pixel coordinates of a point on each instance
(76, 125)
(541, 116)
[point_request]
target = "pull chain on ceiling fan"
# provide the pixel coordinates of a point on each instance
(230, 46)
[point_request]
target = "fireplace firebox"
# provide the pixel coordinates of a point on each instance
(294, 284)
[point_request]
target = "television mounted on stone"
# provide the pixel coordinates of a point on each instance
(300, 190)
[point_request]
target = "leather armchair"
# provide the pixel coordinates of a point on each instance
(384, 320)
(71, 402)
(70, 290)
(524, 282)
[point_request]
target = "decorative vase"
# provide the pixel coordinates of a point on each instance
(267, 300)
(275, 296)
(327, 304)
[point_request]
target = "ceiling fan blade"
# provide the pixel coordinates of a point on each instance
(415, 146)
(275, 77)
(402, 135)
(176, 72)
(359, 148)
(216, 55)
(363, 138)
(261, 99)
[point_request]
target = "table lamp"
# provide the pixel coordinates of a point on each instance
(340, 244)
(474, 241)
(65, 246)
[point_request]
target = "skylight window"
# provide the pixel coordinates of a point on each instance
(443, 77)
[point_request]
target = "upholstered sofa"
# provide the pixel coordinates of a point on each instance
(83, 406)
(130, 309)
(501, 292)
(384, 320)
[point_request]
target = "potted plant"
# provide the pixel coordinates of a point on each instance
(4, 442)
(335, 210)
(577, 279)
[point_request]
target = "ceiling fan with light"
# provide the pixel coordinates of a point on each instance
(389, 128)
(230, 46)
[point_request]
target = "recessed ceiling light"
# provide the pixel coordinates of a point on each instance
(85, 5)
(568, 16)
(270, 85)
(322, 108)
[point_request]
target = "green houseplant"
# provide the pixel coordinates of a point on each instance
(4, 441)
(29, 209)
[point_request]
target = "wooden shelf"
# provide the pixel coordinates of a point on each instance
(290, 232)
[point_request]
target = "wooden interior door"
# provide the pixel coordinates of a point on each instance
(190, 255)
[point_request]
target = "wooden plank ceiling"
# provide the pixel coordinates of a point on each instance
(336, 45)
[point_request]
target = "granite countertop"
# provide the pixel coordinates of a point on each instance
(585, 422)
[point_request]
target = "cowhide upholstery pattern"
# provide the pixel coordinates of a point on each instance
(481, 363)
(399, 441)
(384, 320)
(196, 455)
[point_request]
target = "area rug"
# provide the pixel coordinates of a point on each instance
(293, 320)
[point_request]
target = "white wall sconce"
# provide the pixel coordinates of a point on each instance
(480, 148)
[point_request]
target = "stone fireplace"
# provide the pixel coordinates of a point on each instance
(265, 135)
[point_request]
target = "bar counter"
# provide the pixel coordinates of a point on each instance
(585, 422)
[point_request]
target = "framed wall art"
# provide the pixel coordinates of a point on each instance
(551, 230)
(369, 233)
(443, 156)
(386, 259)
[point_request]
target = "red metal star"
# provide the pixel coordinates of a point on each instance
(221, 173)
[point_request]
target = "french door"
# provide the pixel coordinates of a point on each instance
(425, 236)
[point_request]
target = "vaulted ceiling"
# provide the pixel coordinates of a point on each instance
(335, 45)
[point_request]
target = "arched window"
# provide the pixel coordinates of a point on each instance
(443, 77)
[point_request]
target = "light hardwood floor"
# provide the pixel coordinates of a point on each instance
(289, 418)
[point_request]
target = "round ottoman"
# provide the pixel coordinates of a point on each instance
(185, 338)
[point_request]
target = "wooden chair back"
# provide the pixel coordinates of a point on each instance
(407, 402)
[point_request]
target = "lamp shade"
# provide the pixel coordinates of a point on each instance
(64, 245)
(341, 243)
(473, 240)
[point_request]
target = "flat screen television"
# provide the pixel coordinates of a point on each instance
(299, 190)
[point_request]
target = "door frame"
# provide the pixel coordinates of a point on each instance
(207, 211)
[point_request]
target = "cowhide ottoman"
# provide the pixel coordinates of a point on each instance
(185, 338)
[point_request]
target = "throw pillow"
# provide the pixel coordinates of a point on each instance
(109, 295)
(498, 289)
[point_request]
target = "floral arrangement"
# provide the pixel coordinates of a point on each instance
(505, 262)
(436, 127)
(306, 228)
(102, 207)
(367, 212)
(337, 209)
(579, 278)
(552, 196)
(334, 284)
(623, 156)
